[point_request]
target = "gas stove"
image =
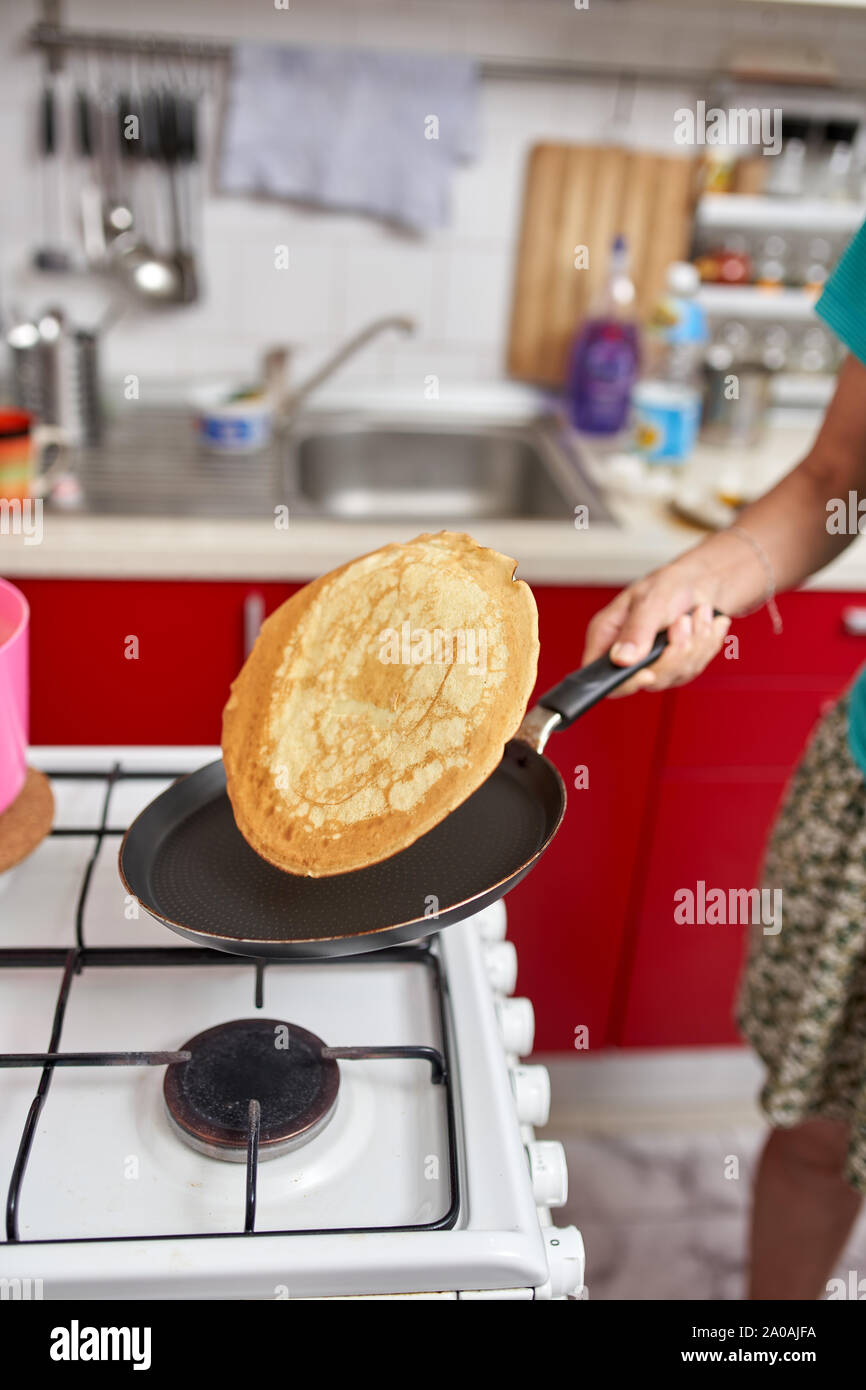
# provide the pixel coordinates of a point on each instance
(181, 1123)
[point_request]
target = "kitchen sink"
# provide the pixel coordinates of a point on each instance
(343, 467)
(369, 470)
(411, 474)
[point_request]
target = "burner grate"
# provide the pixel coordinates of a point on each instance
(249, 1136)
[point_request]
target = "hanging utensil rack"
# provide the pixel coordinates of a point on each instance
(56, 39)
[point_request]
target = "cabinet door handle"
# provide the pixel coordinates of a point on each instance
(854, 621)
(254, 616)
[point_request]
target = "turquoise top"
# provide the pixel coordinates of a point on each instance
(843, 307)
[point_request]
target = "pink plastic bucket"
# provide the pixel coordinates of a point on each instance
(14, 691)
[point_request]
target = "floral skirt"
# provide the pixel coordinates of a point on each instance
(802, 1001)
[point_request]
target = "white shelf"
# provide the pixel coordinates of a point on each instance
(743, 211)
(754, 302)
(802, 391)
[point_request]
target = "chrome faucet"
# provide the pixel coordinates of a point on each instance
(290, 400)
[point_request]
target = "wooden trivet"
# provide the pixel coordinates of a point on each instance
(25, 823)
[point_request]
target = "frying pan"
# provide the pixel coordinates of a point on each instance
(188, 865)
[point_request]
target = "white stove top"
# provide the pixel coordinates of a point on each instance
(106, 1175)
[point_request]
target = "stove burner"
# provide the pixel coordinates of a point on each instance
(277, 1064)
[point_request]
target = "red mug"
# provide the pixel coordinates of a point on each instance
(16, 457)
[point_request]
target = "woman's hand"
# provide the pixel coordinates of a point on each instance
(783, 538)
(666, 600)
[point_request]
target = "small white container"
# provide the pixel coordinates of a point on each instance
(226, 426)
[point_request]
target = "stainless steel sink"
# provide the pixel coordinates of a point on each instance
(344, 467)
(373, 469)
(407, 473)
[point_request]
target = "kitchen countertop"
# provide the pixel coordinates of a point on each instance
(548, 551)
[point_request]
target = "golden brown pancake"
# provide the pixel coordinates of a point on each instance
(377, 699)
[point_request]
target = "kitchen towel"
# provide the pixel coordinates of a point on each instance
(351, 129)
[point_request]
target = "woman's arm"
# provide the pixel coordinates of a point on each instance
(725, 572)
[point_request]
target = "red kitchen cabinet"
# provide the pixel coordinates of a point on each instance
(679, 979)
(568, 917)
(90, 683)
(728, 744)
(682, 786)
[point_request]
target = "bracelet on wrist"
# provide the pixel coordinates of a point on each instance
(769, 600)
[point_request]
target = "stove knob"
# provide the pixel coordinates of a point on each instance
(531, 1087)
(566, 1260)
(517, 1025)
(491, 923)
(548, 1171)
(500, 962)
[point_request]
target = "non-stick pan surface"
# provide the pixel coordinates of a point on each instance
(188, 865)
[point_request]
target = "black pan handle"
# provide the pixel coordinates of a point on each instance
(578, 692)
(584, 688)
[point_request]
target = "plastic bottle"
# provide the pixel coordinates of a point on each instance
(787, 176)
(668, 401)
(837, 181)
(605, 356)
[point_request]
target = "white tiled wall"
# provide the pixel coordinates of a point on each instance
(343, 269)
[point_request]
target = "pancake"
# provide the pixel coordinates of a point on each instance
(375, 700)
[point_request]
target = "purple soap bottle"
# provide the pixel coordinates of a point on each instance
(605, 356)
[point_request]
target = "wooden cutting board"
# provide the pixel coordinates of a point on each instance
(583, 196)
